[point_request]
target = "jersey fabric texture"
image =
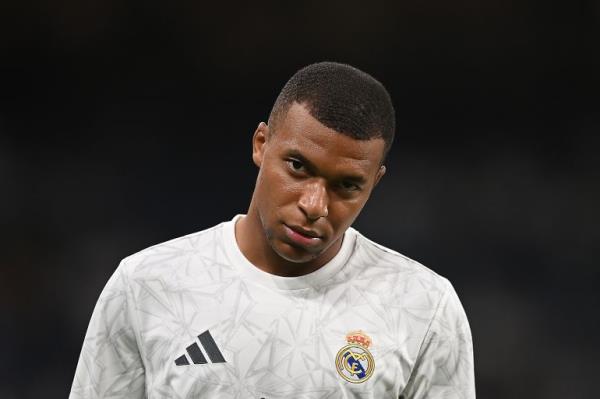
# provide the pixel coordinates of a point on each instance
(193, 318)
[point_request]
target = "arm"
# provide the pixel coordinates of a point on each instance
(110, 364)
(444, 366)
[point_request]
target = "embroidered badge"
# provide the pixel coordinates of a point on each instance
(354, 362)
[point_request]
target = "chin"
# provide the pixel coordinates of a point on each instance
(294, 254)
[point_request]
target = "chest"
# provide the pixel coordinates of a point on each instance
(238, 340)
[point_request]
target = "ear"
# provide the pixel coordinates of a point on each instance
(380, 174)
(259, 140)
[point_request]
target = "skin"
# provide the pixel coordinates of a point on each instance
(312, 184)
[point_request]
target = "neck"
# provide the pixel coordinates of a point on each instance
(252, 241)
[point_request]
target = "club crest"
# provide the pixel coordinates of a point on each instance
(354, 362)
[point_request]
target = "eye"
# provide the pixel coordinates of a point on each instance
(349, 186)
(295, 165)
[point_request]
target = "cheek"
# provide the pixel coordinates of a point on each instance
(277, 188)
(343, 213)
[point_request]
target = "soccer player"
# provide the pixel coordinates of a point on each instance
(287, 301)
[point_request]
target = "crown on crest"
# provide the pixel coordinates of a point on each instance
(358, 337)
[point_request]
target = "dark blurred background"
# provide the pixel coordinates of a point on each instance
(127, 123)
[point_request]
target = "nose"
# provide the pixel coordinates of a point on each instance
(314, 199)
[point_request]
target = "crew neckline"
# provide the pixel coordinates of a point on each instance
(310, 280)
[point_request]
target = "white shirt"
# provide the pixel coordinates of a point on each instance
(193, 318)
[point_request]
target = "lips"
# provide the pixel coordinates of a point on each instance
(305, 232)
(302, 237)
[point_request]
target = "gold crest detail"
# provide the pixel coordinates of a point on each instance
(354, 362)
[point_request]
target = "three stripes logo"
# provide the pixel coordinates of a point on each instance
(196, 355)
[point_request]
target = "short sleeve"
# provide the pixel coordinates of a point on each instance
(444, 367)
(110, 364)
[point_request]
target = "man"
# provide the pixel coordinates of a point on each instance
(287, 301)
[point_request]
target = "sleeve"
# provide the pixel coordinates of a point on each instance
(110, 365)
(444, 367)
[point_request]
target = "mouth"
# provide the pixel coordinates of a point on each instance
(302, 236)
(305, 232)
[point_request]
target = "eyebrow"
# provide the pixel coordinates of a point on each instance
(358, 179)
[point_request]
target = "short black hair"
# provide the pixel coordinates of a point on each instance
(343, 98)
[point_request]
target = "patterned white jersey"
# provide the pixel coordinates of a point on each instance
(193, 318)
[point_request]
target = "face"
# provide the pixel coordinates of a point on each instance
(312, 184)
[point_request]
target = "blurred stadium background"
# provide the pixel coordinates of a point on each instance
(127, 123)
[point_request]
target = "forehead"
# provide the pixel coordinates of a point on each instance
(300, 131)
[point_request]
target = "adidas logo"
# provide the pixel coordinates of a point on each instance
(196, 355)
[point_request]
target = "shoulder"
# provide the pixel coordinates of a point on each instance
(405, 284)
(162, 257)
(399, 269)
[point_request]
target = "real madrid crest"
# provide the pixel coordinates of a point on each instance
(354, 362)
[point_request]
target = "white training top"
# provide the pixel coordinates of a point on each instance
(193, 318)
